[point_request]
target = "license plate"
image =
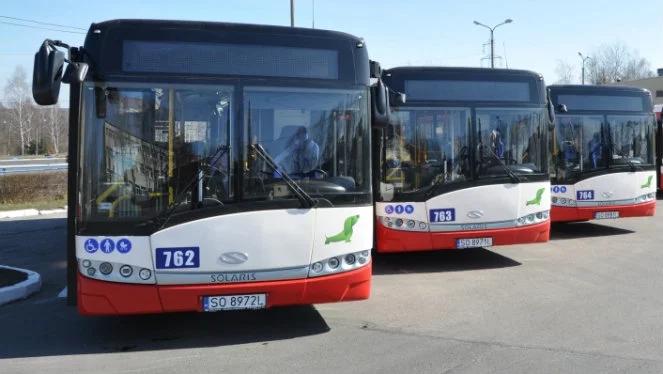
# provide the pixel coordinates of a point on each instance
(606, 215)
(234, 302)
(474, 242)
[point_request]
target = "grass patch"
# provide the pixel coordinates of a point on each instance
(21, 191)
(39, 205)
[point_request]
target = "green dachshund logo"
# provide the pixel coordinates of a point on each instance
(537, 199)
(346, 234)
(648, 184)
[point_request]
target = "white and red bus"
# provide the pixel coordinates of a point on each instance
(214, 166)
(658, 111)
(603, 152)
(466, 164)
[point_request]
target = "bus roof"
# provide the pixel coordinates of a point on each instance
(460, 85)
(590, 89)
(595, 98)
(462, 71)
(105, 42)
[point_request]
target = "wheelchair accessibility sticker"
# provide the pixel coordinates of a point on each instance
(107, 245)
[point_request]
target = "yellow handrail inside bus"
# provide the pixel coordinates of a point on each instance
(111, 212)
(107, 193)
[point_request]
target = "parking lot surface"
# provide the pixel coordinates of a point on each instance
(590, 300)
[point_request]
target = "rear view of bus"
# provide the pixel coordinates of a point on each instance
(218, 166)
(465, 165)
(603, 153)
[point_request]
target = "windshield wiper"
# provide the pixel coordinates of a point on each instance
(306, 199)
(508, 171)
(625, 158)
(613, 151)
(165, 215)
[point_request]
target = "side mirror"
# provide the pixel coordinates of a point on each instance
(562, 108)
(398, 98)
(47, 74)
(379, 104)
(374, 69)
(551, 115)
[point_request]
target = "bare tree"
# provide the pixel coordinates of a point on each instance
(616, 62)
(565, 73)
(20, 110)
(55, 125)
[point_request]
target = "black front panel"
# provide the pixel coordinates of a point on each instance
(197, 50)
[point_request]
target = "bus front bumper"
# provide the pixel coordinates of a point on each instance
(571, 214)
(390, 240)
(109, 298)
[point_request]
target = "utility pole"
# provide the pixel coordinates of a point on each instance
(292, 13)
(584, 59)
(492, 38)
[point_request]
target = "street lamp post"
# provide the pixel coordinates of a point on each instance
(584, 59)
(292, 13)
(492, 39)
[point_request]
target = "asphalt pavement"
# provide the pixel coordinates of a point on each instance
(590, 300)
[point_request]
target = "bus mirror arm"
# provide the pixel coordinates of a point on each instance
(75, 72)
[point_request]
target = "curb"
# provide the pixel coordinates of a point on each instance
(29, 212)
(20, 290)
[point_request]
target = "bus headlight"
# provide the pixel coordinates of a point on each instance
(350, 259)
(317, 267)
(145, 274)
(533, 218)
(340, 263)
(400, 224)
(105, 268)
(106, 271)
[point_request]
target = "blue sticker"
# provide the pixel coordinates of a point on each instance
(558, 189)
(399, 209)
(388, 209)
(91, 245)
(409, 209)
(585, 195)
(107, 245)
(178, 257)
(442, 215)
(123, 245)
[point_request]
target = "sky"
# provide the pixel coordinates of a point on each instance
(414, 32)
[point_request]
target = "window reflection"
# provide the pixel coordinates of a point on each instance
(511, 138)
(152, 146)
(318, 137)
(585, 143)
(428, 146)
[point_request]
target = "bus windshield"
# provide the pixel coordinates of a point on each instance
(428, 144)
(148, 149)
(434, 146)
(586, 143)
(510, 138)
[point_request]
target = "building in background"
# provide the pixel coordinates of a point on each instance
(653, 84)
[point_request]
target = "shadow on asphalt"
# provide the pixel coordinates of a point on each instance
(440, 261)
(44, 326)
(31, 330)
(562, 231)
